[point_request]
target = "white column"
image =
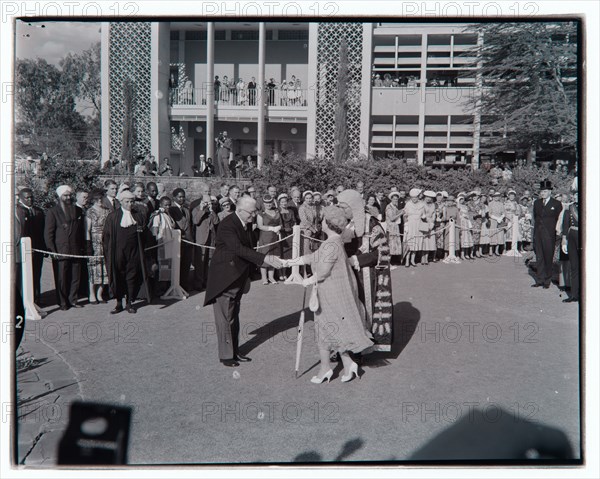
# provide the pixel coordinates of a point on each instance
(105, 97)
(366, 89)
(160, 134)
(260, 100)
(312, 91)
(210, 91)
(421, 145)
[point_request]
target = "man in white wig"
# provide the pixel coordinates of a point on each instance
(124, 237)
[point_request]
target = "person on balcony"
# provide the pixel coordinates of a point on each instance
(252, 91)
(271, 89)
(187, 94)
(242, 92)
(217, 85)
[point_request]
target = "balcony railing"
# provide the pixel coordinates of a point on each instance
(291, 98)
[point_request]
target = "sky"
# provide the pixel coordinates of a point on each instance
(55, 40)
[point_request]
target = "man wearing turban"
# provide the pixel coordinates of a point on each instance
(123, 238)
(64, 233)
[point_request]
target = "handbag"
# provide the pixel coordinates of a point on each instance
(424, 227)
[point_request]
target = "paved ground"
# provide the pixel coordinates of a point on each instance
(473, 335)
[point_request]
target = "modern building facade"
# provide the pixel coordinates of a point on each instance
(406, 94)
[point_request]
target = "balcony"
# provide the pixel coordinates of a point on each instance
(189, 104)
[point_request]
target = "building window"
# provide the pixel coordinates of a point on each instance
(174, 34)
(195, 35)
(244, 34)
(293, 34)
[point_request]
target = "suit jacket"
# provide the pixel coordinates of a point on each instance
(545, 217)
(183, 221)
(107, 204)
(206, 225)
(232, 258)
(65, 234)
(32, 225)
(152, 205)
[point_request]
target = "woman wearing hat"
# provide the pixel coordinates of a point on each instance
(466, 227)
(476, 213)
(226, 208)
(308, 222)
(428, 217)
(340, 319)
(525, 222)
(288, 221)
(511, 208)
(413, 237)
(393, 218)
(269, 224)
(484, 236)
(497, 222)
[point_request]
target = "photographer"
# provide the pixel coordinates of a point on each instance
(205, 220)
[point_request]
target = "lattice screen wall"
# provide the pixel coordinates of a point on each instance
(129, 57)
(328, 55)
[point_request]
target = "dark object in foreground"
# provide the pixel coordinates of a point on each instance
(496, 434)
(96, 434)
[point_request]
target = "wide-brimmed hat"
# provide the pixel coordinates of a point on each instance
(224, 201)
(281, 196)
(511, 191)
(414, 192)
(353, 199)
(267, 199)
(429, 194)
(497, 193)
(336, 215)
(545, 185)
(315, 193)
(524, 197)
(307, 192)
(393, 193)
(445, 194)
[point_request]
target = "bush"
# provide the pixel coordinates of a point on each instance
(52, 173)
(382, 174)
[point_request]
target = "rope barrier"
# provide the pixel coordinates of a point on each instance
(50, 253)
(158, 245)
(312, 239)
(197, 244)
(275, 242)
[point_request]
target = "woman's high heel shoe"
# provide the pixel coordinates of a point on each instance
(353, 372)
(319, 380)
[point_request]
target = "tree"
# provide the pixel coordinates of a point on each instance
(340, 136)
(82, 71)
(529, 78)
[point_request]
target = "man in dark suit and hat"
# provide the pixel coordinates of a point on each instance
(546, 211)
(229, 276)
(65, 233)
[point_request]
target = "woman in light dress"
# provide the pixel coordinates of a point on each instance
(413, 237)
(427, 227)
(340, 319)
(393, 218)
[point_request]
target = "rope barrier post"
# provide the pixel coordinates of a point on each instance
(452, 244)
(295, 277)
(175, 291)
(514, 251)
(32, 311)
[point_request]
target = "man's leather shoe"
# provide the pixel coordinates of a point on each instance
(242, 359)
(570, 300)
(536, 285)
(130, 309)
(64, 308)
(117, 309)
(230, 363)
(546, 285)
(76, 306)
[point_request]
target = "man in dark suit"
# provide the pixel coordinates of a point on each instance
(571, 246)
(183, 221)
(151, 197)
(546, 211)
(381, 204)
(229, 277)
(31, 221)
(65, 233)
(110, 200)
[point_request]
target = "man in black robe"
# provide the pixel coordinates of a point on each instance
(123, 239)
